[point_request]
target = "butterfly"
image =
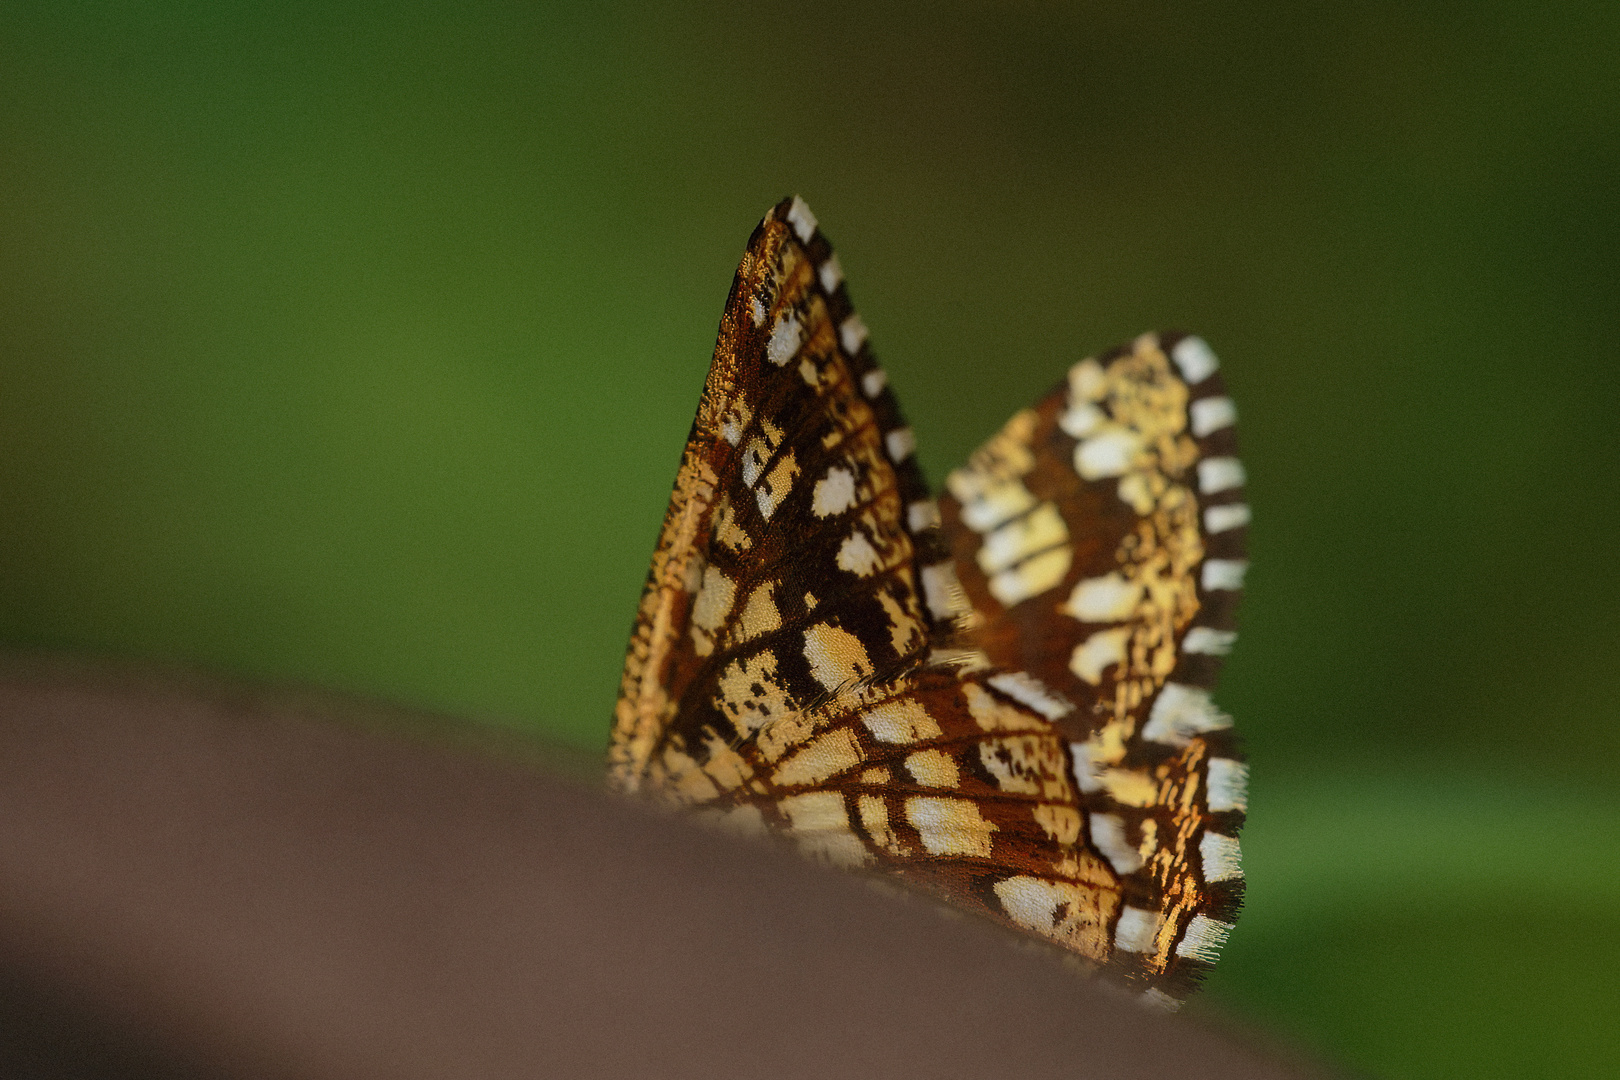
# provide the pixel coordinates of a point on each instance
(1000, 695)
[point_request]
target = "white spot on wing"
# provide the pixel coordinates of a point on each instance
(990, 505)
(933, 768)
(1087, 381)
(992, 714)
(1087, 769)
(1108, 837)
(852, 335)
(784, 340)
(820, 825)
(922, 514)
(802, 220)
(775, 488)
(1218, 474)
(857, 555)
(1022, 537)
(824, 756)
(1136, 930)
(834, 492)
(836, 656)
(1098, 652)
(1027, 690)
(1221, 856)
(873, 382)
(901, 444)
(1218, 519)
(1060, 910)
(1082, 419)
(943, 592)
(760, 614)
(1109, 598)
(1180, 712)
(1211, 414)
(714, 599)
(1203, 939)
(753, 461)
(900, 721)
(1195, 359)
(1031, 577)
(756, 311)
(1209, 641)
(1224, 574)
(816, 811)
(1108, 453)
(710, 609)
(1228, 785)
(831, 274)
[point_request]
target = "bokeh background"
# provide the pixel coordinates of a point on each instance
(355, 343)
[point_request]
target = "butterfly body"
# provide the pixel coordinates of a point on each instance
(1000, 696)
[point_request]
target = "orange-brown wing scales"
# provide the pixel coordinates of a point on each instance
(1099, 541)
(785, 567)
(1000, 697)
(934, 776)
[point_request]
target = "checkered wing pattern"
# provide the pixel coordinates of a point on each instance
(824, 653)
(784, 573)
(1098, 550)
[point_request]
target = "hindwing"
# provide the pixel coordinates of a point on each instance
(1099, 542)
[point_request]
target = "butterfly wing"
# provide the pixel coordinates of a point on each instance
(1098, 540)
(784, 569)
(780, 676)
(811, 659)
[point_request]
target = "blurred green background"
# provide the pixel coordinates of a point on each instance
(356, 343)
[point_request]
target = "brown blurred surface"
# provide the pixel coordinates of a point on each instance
(198, 880)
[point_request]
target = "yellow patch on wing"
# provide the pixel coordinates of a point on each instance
(1072, 914)
(759, 614)
(819, 824)
(837, 657)
(906, 631)
(874, 814)
(1028, 764)
(933, 768)
(950, 826)
(710, 609)
(751, 695)
(821, 758)
(992, 714)
(900, 721)
(1061, 823)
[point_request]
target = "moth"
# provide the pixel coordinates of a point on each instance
(1000, 695)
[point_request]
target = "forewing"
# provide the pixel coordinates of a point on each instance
(784, 569)
(1098, 540)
